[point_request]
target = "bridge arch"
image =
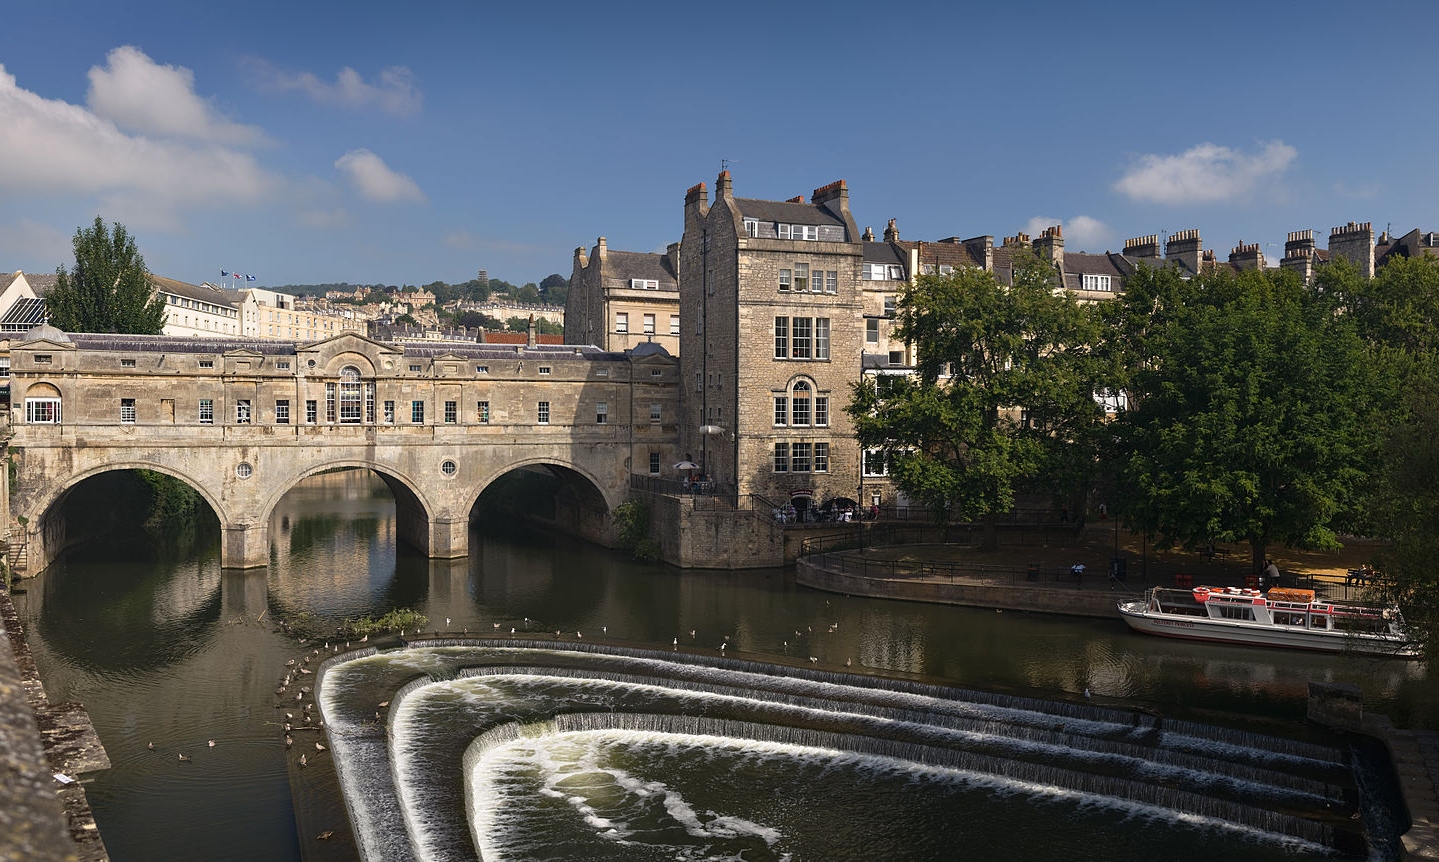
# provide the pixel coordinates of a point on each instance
(47, 533)
(414, 511)
(588, 516)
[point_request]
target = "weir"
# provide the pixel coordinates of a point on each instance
(524, 742)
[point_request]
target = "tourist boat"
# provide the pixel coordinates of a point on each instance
(1280, 618)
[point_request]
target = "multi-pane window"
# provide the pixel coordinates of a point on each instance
(781, 457)
(800, 403)
(127, 363)
(482, 412)
(1096, 282)
(207, 411)
(622, 321)
(801, 338)
(655, 412)
(874, 463)
(799, 458)
(204, 363)
(42, 411)
(781, 410)
(831, 281)
(127, 411)
(801, 277)
(649, 324)
(784, 279)
(674, 324)
(542, 413)
(751, 227)
(452, 412)
(312, 412)
(417, 412)
(799, 344)
(602, 412)
(389, 412)
(242, 411)
(330, 402)
(821, 410)
(871, 331)
(544, 369)
(821, 457)
(654, 463)
(370, 403)
(349, 395)
(644, 284)
(890, 306)
(797, 231)
(282, 411)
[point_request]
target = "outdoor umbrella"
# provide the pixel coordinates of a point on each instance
(687, 465)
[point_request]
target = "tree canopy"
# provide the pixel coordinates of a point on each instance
(108, 289)
(1249, 414)
(1002, 396)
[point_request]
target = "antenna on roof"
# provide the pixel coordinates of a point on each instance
(725, 163)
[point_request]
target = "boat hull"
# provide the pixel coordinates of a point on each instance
(1141, 618)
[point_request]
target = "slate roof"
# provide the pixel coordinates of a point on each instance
(204, 293)
(626, 265)
(786, 212)
(883, 252)
(943, 253)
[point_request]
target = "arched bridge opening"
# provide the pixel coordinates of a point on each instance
(125, 513)
(556, 496)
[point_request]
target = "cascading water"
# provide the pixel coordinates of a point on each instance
(514, 749)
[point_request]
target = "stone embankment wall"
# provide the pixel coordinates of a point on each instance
(694, 532)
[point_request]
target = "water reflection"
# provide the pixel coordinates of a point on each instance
(174, 652)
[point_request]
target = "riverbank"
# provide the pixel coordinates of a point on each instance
(46, 748)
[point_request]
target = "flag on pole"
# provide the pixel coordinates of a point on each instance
(224, 274)
(251, 277)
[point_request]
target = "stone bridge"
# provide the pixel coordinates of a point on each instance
(242, 422)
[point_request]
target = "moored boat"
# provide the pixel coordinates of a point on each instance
(1291, 618)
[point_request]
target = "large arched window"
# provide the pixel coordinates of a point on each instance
(350, 395)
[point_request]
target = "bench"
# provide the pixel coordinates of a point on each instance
(1184, 581)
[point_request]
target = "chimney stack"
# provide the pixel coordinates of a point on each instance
(891, 232)
(1049, 246)
(1186, 249)
(1246, 257)
(1355, 243)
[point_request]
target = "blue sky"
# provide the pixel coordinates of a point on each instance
(408, 142)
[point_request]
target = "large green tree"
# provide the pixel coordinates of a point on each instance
(1002, 394)
(109, 289)
(1250, 409)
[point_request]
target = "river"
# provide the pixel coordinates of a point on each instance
(165, 649)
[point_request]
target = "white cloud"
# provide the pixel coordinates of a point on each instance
(374, 180)
(141, 96)
(1080, 233)
(51, 147)
(1207, 173)
(394, 92)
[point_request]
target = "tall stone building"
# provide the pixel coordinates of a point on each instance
(772, 336)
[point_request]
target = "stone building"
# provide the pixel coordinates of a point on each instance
(772, 337)
(619, 299)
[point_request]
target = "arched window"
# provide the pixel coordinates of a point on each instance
(800, 401)
(350, 395)
(42, 405)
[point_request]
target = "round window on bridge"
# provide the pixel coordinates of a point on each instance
(243, 470)
(449, 468)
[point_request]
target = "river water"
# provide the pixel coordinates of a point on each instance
(164, 649)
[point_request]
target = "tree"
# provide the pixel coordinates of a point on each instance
(554, 290)
(109, 288)
(1249, 409)
(528, 294)
(1004, 384)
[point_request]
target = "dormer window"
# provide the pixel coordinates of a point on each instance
(798, 231)
(644, 284)
(1096, 282)
(751, 227)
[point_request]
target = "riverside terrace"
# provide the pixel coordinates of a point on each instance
(243, 421)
